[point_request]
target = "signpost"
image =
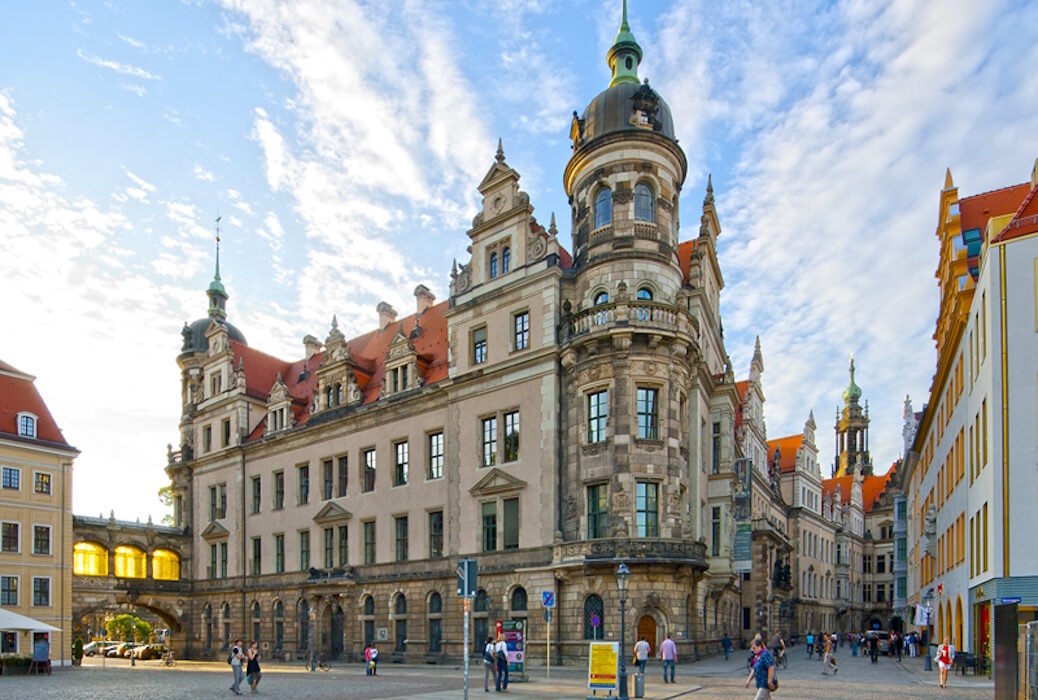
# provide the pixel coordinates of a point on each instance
(467, 573)
(516, 648)
(603, 660)
(548, 601)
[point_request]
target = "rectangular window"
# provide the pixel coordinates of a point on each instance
(328, 479)
(304, 550)
(8, 590)
(511, 518)
(344, 475)
(279, 490)
(257, 556)
(8, 642)
(329, 547)
(881, 564)
(984, 424)
(12, 478)
(479, 346)
(207, 438)
(902, 549)
(400, 465)
(344, 546)
(41, 482)
(41, 539)
(257, 494)
(648, 414)
(489, 511)
(436, 534)
(512, 436)
(716, 449)
(369, 471)
(436, 456)
(400, 525)
(597, 415)
(279, 553)
(40, 592)
(225, 432)
(597, 511)
(304, 484)
(223, 560)
(214, 558)
(715, 531)
(521, 330)
(647, 509)
(9, 537)
(489, 441)
(369, 542)
(984, 538)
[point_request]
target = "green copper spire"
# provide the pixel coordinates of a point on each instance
(625, 54)
(216, 292)
(853, 392)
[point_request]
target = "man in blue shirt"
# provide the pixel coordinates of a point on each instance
(763, 670)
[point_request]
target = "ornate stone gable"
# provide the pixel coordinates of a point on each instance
(497, 481)
(215, 531)
(332, 513)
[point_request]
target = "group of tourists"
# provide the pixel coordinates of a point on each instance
(249, 658)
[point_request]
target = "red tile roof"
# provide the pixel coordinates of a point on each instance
(741, 388)
(18, 393)
(975, 211)
(788, 447)
(872, 488)
(367, 354)
(1026, 220)
(685, 251)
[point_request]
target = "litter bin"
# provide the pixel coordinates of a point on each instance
(639, 685)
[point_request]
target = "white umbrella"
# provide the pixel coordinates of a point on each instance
(11, 621)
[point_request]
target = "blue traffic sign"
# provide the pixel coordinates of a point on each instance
(548, 599)
(595, 621)
(1008, 601)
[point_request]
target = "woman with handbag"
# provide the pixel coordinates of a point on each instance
(763, 671)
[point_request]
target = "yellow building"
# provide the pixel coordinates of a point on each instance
(35, 517)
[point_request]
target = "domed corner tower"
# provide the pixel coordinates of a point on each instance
(630, 355)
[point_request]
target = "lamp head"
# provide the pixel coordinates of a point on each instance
(623, 579)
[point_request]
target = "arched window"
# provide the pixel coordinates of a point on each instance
(255, 621)
(519, 599)
(303, 623)
(400, 623)
(644, 312)
(225, 618)
(89, 559)
(369, 605)
(330, 397)
(593, 608)
(643, 210)
(27, 425)
(130, 562)
(644, 294)
(435, 623)
(338, 394)
(482, 601)
(480, 626)
(279, 624)
(506, 260)
(165, 565)
(601, 298)
(603, 207)
(369, 619)
(493, 265)
(207, 622)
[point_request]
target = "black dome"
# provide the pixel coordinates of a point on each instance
(194, 335)
(613, 110)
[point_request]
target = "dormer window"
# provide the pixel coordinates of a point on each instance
(493, 265)
(603, 207)
(277, 419)
(506, 260)
(398, 377)
(27, 425)
(643, 209)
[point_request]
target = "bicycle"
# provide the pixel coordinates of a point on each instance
(167, 659)
(781, 659)
(322, 663)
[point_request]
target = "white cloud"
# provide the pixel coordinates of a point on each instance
(120, 68)
(203, 174)
(132, 42)
(138, 90)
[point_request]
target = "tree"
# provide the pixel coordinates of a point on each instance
(124, 626)
(166, 499)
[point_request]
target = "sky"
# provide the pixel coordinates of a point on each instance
(341, 143)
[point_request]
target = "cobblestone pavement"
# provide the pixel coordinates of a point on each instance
(710, 679)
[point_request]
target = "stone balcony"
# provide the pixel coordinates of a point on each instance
(638, 316)
(632, 551)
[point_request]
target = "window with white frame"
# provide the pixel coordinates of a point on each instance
(40, 592)
(436, 455)
(8, 590)
(26, 424)
(12, 478)
(41, 539)
(9, 536)
(41, 482)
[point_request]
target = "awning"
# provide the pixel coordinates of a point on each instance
(11, 621)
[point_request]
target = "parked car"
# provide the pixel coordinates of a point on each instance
(92, 648)
(150, 651)
(117, 650)
(884, 641)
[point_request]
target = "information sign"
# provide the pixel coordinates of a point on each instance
(515, 643)
(603, 661)
(548, 599)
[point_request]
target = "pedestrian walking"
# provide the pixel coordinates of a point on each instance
(726, 644)
(371, 660)
(489, 664)
(669, 654)
(829, 661)
(763, 671)
(641, 654)
(853, 638)
(501, 657)
(945, 657)
(235, 659)
(874, 647)
(252, 668)
(898, 644)
(810, 644)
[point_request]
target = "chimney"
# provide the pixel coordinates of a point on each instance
(386, 314)
(312, 346)
(425, 298)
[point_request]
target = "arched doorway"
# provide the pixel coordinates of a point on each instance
(958, 623)
(647, 629)
(338, 628)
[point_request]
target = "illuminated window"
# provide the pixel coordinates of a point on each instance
(89, 559)
(130, 562)
(165, 565)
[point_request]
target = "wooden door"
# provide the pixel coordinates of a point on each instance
(647, 630)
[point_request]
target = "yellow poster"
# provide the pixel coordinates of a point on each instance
(602, 664)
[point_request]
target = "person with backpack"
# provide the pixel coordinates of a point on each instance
(489, 664)
(235, 659)
(501, 657)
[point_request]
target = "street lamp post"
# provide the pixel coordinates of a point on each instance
(313, 622)
(623, 579)
(927, 602)
(133, 633)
